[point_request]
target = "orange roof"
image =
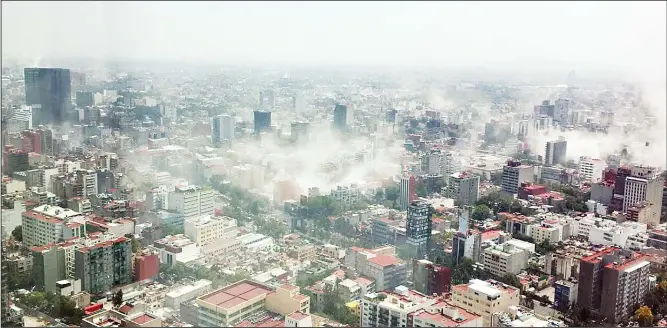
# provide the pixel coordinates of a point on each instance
(384, 260)
(41, 217)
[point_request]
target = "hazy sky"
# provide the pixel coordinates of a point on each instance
(629, 35)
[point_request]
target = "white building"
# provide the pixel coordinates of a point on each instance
(644, 187)
(505, 259)
(393, 309)
(348, 196)
(192, 201)
(615, 234)
(174, 249)
(562, 111)
(21, 120)
(591, 169)
(174, 298)
(256, 241)
(485, 298)
(222, 128)
(206, 229)
(47, 224)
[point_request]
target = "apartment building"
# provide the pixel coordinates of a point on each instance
(387, 270)
(463, 187)
(234, 303)
(624, 285)
(174, 298)
(644, 187)
(505, 259)
(192, 201)
(104, 265)
(348, 196)
(48, 224)
(206, 229)
(304, 253)
(403, 307)
(484, 298)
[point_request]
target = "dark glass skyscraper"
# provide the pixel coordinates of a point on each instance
(49, 92)
(262, 121)
(418, 227)
(340, 117)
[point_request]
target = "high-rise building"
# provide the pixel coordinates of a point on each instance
(514, 174)
(21, 120)
(407, 192)
(299, 131)
(192, 201)
(84, 99)
(5, 292)
(591, 169)
(561, 111)
(262, 121)
(418, 227)
(104, 265)
(612, 282)
(644, 187)
(49, 92)
(46, 140)
(463, 187)
(298, 104)
(340, 117)
(545, 109)
(555, 152)
(15, 160)
(222, 129)
(49, 265)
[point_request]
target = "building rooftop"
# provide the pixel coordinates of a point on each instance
(384, 260)
(235, 294)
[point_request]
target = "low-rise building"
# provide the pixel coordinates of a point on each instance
(485, 298)
(504, 259)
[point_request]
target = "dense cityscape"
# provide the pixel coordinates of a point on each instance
(160, 195)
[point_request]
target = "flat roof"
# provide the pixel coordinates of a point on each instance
(230, 296)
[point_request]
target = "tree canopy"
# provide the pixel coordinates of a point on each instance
(17, 233)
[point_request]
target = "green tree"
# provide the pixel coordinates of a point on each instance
(481, 212)
(421, 190)
(17, 233)
(512, 280)
(136, 246)
(392, 192)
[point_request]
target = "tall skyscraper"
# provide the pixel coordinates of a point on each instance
(418, 227)
(407, 192)
(262, 121)
(299, 131)
(222, 129)
(555, 152)
(562, 111)
(49, 92)
(340, 117)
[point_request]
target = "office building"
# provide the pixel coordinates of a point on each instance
(463, 187)
(21, 120)
(591, 169)
(644, 187)
(192, 201)
(49, 92)
(174, 249)
(15, 160)
(84, 99)
(222, 129)
(418, 227)
(299, 131)
(262, 121)
(485, 298)
(555, 152)
(407, 192)
(565, 294)
(341, 117)
(514, 174)
(104, 265)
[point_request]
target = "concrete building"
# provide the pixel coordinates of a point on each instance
(237, 302)
(463, 187)
(514, 174)
(407, 192)
(565, 294)
(591, 169)
(174, 298)
(485, 298)
(47, 224)
(348, 196)
(555, 152)
(387, 270)
(222, 129)
(505, 259)
(430, 279)
(192, 201)
(146, 266)
(624, 285)
(644, 185)
(104, 265)
(174, 249)
(418, 227)
(408, 308)
(206, 229)
(561, 112)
